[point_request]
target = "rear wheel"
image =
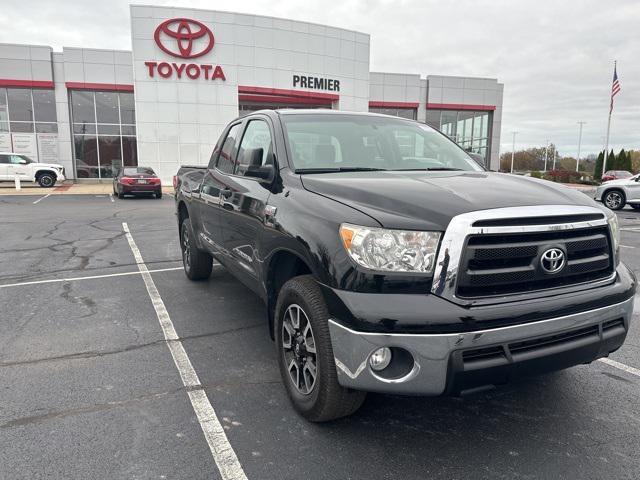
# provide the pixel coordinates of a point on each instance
(305, 355)
(120, 195)
(614, 199)
(159, 195)
(47, 180)
(197, 264)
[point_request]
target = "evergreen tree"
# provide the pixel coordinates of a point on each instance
(597, 174)
(628, 166)
(611, 161)
(621, 160)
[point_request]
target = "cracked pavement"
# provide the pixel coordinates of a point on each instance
(88, 388)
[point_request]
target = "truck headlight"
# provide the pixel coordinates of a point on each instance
(391, 250)
(615, 231)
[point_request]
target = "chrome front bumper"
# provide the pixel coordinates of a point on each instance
(432, 353)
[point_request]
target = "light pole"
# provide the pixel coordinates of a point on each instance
(513, 150)
(554, 157)
(579, 145)
(546, 155)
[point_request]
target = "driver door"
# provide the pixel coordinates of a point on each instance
(17, 166)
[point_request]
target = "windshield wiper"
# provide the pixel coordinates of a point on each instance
(339, 169)
(429, 169)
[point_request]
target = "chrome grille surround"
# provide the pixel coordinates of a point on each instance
(451, 250)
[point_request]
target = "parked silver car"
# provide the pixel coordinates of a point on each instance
(618, 193)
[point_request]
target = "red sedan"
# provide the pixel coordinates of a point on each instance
(616, 175)
(136, 181)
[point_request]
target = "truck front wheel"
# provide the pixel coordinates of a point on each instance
(305, 355)
(197, 264)
(46, 180)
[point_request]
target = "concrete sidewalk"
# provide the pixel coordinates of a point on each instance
(64, 188)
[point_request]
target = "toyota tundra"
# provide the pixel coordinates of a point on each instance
(391, 261)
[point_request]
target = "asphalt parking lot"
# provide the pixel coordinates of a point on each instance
(89, 387)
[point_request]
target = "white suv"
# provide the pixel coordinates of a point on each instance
(615, 194)
(13, 164)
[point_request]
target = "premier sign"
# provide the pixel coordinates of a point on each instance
(184, 38)
(316, 83)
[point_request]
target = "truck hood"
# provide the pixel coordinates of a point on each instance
(47, 165)
(428, 200)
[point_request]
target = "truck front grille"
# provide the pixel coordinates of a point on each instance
(504, 264)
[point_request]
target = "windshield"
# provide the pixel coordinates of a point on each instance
(320, 142)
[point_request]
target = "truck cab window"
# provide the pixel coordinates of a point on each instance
(227, 157)
(256, 146)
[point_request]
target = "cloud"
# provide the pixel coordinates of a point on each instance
(555, 58)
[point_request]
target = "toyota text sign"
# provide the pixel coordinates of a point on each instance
(184, 38)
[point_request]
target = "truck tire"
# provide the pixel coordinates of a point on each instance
(197, 264)
(304, 350)
(614, 199)
(47, 180)
(159, 195)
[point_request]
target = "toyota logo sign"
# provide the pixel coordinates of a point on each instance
(552, 260)
(184, 38)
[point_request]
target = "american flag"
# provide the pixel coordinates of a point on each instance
(615, 87)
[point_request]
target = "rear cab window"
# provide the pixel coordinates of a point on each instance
(227, 157)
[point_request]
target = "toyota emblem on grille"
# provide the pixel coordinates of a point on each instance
(552, 260)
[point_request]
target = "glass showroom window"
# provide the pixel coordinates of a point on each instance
(104, 132)
(409, 113)
(469, 129)
(26, 110)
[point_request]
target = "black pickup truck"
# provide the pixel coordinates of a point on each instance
(390, 261)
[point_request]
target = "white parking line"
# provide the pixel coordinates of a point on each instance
(91, 277)
(621, 366)
(41, 198)
(111, 197)
(634, 229)
(627, 246)
(221, 450)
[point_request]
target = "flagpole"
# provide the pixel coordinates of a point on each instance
(606, 145)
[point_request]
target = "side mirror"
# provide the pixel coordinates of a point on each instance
(263, 172)
(22, 162)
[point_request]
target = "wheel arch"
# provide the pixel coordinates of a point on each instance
(42, 171)
(614, 188)
(283, 265)
(183, 212)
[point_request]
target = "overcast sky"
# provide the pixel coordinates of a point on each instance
(555, 58)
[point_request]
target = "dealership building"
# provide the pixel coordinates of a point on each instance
(192, 71)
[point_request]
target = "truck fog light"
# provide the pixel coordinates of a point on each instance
(380, 359)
